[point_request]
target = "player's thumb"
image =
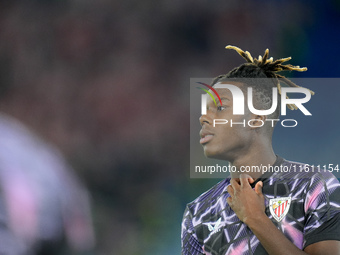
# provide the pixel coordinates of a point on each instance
(258, 188)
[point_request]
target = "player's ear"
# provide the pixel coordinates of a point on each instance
(257, 121)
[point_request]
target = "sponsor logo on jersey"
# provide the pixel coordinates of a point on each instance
(279, 207)
(215, 227)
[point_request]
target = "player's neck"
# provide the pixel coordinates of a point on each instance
(259, 156)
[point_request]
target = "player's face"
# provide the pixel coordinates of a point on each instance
(225, 141)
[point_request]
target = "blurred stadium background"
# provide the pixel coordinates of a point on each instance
(107, 82)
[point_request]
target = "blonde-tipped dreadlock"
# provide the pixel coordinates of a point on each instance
(270, 67)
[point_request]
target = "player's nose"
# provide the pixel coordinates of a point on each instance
(205, 119)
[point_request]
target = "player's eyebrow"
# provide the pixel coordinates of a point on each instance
(225, 98)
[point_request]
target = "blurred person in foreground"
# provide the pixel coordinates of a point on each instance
(44, 209)
(261, 212)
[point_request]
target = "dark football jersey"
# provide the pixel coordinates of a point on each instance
(303, 203)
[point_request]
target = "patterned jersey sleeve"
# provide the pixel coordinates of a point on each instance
(322, 209)
(190, 244)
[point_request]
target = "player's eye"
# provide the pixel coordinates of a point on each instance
(220, 108)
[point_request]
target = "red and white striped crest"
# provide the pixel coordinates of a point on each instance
(279, 207)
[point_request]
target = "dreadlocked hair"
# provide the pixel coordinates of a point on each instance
(263, 67)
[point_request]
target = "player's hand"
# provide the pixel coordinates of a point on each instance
(248, 204)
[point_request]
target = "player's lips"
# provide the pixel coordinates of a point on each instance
(206, 136)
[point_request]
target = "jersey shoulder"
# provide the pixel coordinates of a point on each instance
(209, 197)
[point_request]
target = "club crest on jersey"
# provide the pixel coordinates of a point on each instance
(215, 227)
(279, 207)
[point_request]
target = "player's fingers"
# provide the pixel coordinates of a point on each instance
(229, 200)
(258, 188)
(245, 179)
(250, 179)
(234, 184)
(230, 190)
